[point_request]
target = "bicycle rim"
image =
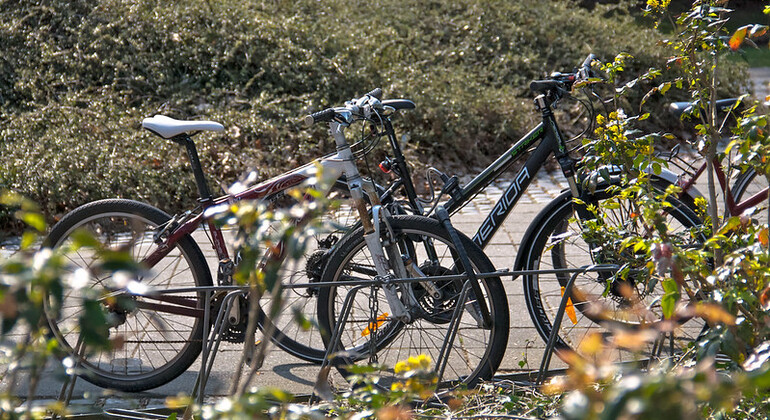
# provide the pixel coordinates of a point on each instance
(150, 347)
(476, 352)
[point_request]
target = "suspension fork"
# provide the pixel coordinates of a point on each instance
(371, 228)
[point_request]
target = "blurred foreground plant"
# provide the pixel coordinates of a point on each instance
(716, 275)
(31, 286)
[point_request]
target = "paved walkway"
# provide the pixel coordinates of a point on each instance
(760, 80)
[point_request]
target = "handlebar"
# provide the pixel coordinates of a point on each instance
(561, 83)
(321, 116)
(375, 93)
(346, 113)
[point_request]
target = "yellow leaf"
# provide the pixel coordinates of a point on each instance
(634, 340)
(557, 385)
(714, 314)
(592, 344)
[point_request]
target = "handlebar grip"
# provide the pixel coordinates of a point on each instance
(377, 93)
(543, 86)
(320, 116)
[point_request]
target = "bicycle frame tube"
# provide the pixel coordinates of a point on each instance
(546, 131)
(332, 167)
(753, 201)
(515, 190)
(497, 167)
(733, 208)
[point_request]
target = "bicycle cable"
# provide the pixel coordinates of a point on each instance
(365, 150)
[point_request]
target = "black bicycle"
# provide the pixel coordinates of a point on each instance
(553, 241)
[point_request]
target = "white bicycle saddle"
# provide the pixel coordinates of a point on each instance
(168, 127)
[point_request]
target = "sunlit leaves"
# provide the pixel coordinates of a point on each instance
(746, 32)
(737, 39)
(714, 314)
(670, 297)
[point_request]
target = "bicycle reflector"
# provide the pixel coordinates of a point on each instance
(374, 326)
(386, 165)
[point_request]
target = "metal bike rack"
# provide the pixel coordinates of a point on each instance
(214, 337)
(213, 333)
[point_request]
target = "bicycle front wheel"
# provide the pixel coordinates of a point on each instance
(476, 351)
(599, 304)
(155, 346)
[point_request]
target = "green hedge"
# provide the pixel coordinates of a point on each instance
(77, 77)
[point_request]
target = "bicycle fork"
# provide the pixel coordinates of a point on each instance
(372, 233)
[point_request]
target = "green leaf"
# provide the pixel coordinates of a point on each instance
(302, 320)
(664, 87)
(83, 238)
(731, 224)
(670, 286)
(27, 240)
(669, 299)
(668, 305)
(94, 326)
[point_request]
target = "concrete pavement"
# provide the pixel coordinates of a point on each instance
(760, 80)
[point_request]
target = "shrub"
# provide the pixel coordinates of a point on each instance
(78, 76)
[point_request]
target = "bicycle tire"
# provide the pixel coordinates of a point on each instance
(288, 335)
(554, 241)
(746, 185)
(148, 336)
(477, 352)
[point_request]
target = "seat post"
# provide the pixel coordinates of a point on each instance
(192, 153)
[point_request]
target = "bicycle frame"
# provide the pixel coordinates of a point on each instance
(336, 166)
(733, 208)
(551, 142)
(333, 166)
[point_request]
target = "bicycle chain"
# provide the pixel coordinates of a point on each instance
(373, 323)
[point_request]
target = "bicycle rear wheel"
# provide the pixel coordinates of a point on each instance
(157, 346)
(556, 240)
(289, 335)
(476, 351)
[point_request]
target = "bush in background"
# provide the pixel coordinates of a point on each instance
(77, 77)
